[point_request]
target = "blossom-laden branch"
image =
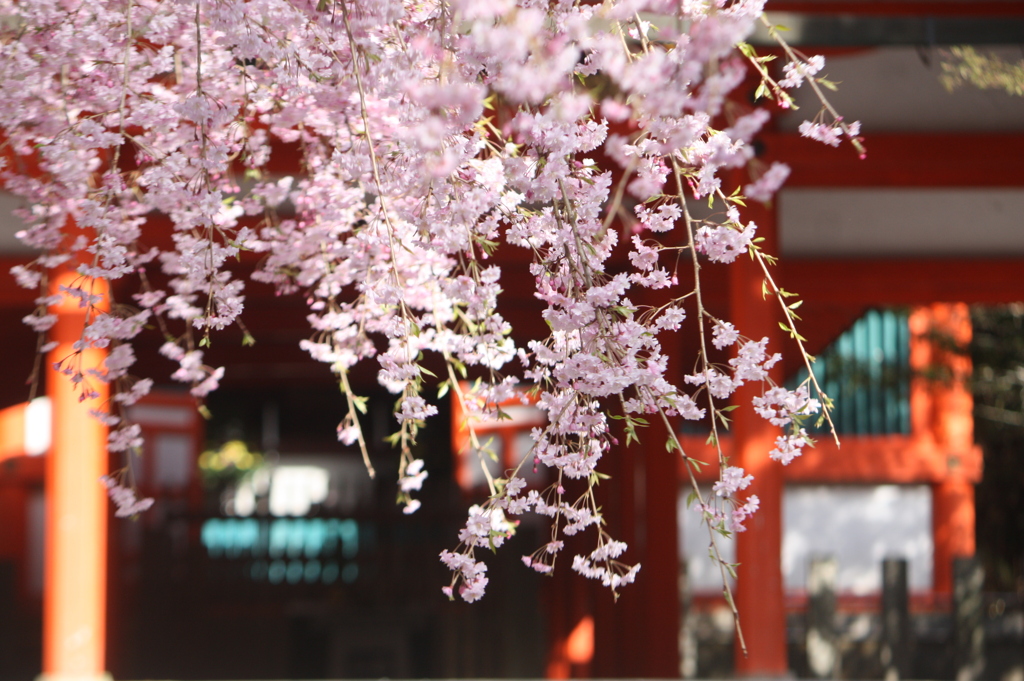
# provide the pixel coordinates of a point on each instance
(431, 133)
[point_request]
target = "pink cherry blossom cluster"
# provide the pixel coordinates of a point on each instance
(829, 134)
(429, 133)
(124, 498)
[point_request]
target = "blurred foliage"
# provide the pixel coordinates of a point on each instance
(997, 351)
(963, 65)
(231, 462)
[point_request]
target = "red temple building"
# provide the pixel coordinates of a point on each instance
(271, 554)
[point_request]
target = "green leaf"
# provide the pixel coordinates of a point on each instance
(488, 247)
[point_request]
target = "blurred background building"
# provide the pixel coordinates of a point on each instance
(271, 554)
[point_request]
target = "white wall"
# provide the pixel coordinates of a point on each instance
(858, 524)
(890, 223)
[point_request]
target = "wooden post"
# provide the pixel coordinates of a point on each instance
(822, 648)
(952, 421)
(896, 632)
(759, 591)
(75, 583)
(660, 549)
(638, 636)
(968, 619)
(953, 526)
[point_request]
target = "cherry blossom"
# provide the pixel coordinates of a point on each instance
(429, 135)
(732, 481)
(124, 498)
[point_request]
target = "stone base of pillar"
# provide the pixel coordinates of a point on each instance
(102, 676)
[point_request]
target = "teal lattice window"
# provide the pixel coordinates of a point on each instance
(866, 371)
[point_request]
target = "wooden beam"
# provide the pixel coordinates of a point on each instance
(929, 159)
(901, 7)
(861, 459)
(852, 281)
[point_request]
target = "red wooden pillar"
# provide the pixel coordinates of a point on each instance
(953, 425)
(658, 539)
(922, 359)
(75, 585)
(13, 495)
(13, 505)
(654, 477)
(620, 627)
(953, 527)
(759, 591)
(638, 635)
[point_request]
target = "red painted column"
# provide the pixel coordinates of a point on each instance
(759, 592)
(638, 635)
(953, 424)
(952, 527)
(922, 358)
(658, 541)
(655, 479)
(620, 626)
(75, 585)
